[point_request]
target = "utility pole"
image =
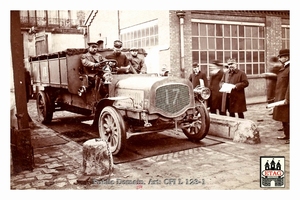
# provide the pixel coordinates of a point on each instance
(21, 148)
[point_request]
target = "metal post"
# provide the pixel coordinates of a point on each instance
(181, 15)
(21, 149)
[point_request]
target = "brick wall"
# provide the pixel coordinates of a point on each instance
(273, 37)
(174, 44)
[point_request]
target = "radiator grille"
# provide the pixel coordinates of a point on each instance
(172, 98)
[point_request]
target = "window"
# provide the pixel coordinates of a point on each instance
(41, 44)
(140, 36)
(215, 40)
(285, 37)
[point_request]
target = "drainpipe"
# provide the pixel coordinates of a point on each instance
(119, 30)
(180, 14)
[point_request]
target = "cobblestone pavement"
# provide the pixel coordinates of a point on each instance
(226, 166)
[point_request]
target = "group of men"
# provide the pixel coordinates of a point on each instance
(93, 59)
(99, 68)
(233, 98)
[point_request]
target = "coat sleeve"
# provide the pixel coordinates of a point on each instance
(287, 93)
(126, 61)
(243, 83)
(222, 81)
(143, 66)
(86, 62)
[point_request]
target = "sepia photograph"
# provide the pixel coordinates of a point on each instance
(149, 99)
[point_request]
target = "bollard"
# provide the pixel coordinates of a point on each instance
(97, 158)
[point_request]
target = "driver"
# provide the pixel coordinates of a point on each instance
(92, 62)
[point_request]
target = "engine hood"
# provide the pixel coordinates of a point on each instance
(168, 96)
(138, 82)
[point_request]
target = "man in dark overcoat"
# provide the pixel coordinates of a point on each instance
(282, 92)
(197, 75)
(216, 72)
(235, 101)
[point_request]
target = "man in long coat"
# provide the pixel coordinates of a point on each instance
(216, 72)
(197, 75)
(282, 92)
(235, 101)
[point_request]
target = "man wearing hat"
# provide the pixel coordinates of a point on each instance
(282, 92)
(234, 100)
(123, 65)
(196, 76)
(92, 62)
(136, 62)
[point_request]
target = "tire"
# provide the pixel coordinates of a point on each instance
(111, 128)
(201, 126)
(44, 107)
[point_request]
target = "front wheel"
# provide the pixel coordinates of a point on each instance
(111, 128)
(198, 128)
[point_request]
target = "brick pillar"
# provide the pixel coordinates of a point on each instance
(188, 44)
(273, 37)
(174, 44)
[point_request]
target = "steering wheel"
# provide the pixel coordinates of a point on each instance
(109, 65)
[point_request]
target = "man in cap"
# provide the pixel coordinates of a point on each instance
(136, 62)
(282, 92)
(123, 65)
(234, 100)
(92, 63)
(196, 76)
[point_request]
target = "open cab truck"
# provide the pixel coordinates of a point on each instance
(132, 104)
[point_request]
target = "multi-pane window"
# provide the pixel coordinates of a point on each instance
(140, 36)
(285, 37)
(213, 40)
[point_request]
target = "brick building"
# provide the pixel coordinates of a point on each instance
(175, 39)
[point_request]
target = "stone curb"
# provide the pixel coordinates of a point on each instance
(239, 130)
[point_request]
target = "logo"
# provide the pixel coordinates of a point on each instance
(272, 171)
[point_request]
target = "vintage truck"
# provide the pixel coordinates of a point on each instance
(134, 104)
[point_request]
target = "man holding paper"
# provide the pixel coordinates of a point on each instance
(233, 85)
(282, 94)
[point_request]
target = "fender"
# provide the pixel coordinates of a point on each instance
(103, 103)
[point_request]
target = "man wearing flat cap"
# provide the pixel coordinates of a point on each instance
(123, 65)
(136, 62)
(282, 92)
(234, 100)
(91, 59)
(92, 62)
(197, 75)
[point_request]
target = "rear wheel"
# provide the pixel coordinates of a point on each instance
(111, 128)
(44, 107)
(198, 128)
